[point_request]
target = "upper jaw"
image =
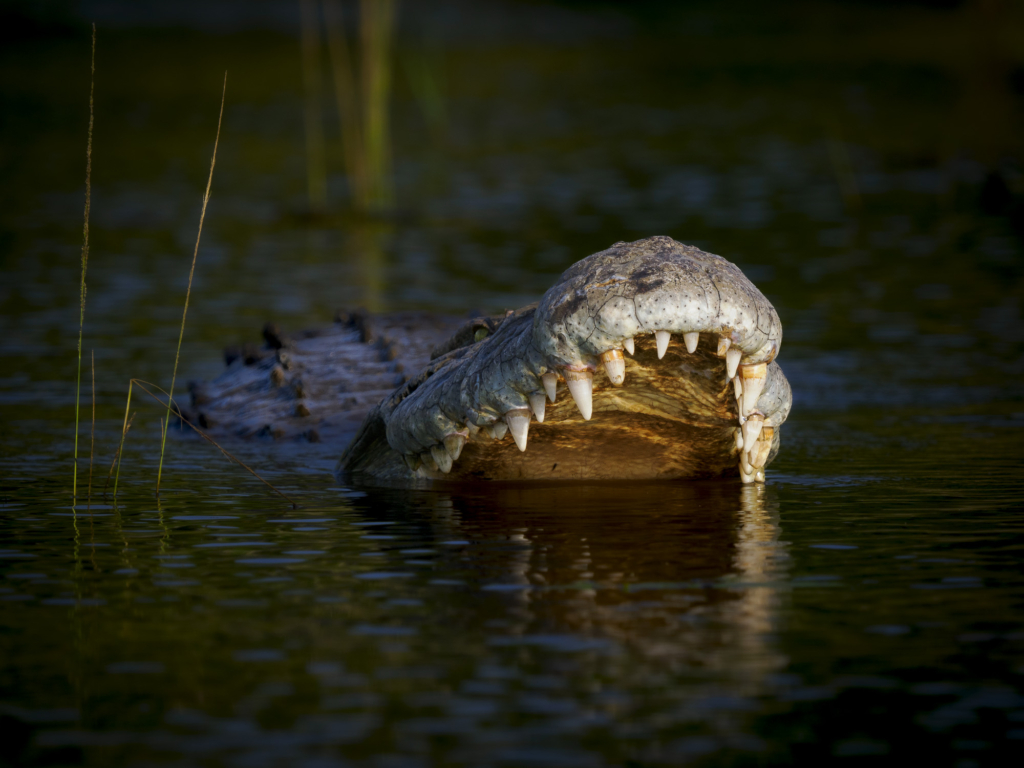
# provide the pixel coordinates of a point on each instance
(655, 286)
(610, 297)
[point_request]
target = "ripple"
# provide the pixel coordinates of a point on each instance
(562, 643)
(258, 655)
(175, 583)
(889, 630)
(376, 575)
(304, 520)
(204, 517)
(135, 668)
(380, 630)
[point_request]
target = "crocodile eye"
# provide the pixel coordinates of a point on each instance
(561, 338)
(480, 335)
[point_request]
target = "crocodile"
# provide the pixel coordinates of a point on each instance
(647, 360)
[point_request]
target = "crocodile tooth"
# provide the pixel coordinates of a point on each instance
(661, 339)
(412, 461)
(427, 457)
(454, 444)
(441, 458)
(615, 366)
(746, 471)
(753, 384)
(628, 346)
(581, 387)
(745, 464)
(497, 430)
(519, 425)
(732, 361)
(739, 439)
(751, 429)
(723, 345)
(737, 387)
(537, 404)
(550, 384)
(759, 456)
(691, 339)
(759, 476)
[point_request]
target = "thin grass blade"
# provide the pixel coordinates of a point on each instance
(188, 292)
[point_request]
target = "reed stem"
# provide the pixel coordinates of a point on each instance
(117, 456)
(188, 292)
(316, 177)
(124, 431)
(143, 384)
(92, 432)
(347, 100)
(376, 19)
(85, 254)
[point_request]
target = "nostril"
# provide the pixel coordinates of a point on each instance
(561, 338)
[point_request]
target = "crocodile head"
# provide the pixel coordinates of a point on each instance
(650, 359)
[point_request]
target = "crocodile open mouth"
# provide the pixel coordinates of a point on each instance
(648, 360)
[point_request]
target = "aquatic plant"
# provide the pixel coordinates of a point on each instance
(92, 431)
(361, 94)
(188, 291)
(115, 466)
(143, 385)
(376, 30)
(117, 454)
(346, 98)
(316, 177)
(124, 433)
(85, 256)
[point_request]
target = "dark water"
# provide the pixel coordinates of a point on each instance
(862, 163)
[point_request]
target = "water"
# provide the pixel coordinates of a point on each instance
(865, 604)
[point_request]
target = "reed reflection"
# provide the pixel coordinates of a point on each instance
(361, 78)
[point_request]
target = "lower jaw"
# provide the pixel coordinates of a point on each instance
(612, 446)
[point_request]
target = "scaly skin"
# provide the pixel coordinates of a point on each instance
(673, 417)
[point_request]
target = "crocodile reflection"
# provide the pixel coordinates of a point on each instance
(679, 572)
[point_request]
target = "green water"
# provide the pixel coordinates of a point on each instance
(862, 163)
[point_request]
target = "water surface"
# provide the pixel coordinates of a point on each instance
(866, 603)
